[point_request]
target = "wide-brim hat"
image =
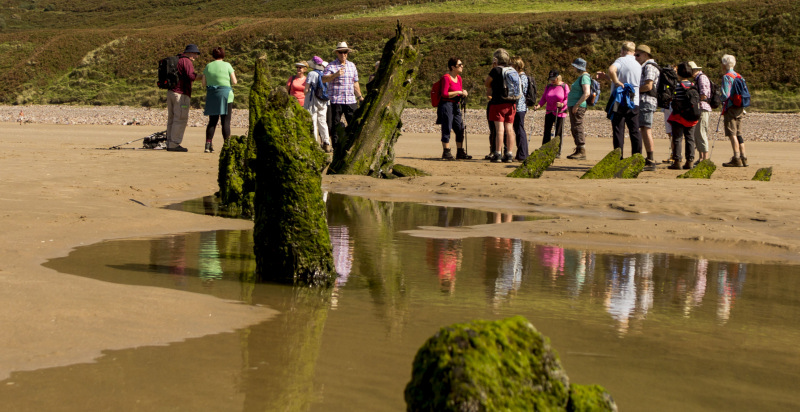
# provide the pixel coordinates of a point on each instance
(314, 65)
(342, 46)
(644, 48)
(301, 64)
(694, 66)
(191, 48)
(579, 64)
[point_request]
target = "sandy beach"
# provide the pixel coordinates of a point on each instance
(63, 189)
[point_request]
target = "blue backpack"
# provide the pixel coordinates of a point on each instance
(739, 95)
(594, 92)
(512, 91)
(320, 89)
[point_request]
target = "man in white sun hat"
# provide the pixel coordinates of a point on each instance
(343, 89)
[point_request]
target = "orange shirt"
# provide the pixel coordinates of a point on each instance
(297, 87)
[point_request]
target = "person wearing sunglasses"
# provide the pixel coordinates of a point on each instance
(343, 89)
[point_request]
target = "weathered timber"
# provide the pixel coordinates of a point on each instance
(703, 170)
(407, 171)
(367, 147)
(499, 365)
(291, 240)
(764, 174)
(236, 178)
(612, 167)
(534, 166)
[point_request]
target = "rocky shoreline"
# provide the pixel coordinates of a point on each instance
(766, 127)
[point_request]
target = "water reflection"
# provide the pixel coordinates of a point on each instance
(646, 325)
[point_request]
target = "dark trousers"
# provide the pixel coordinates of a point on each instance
(522, 136)
(627, 117)
(336, 119)
(449, 114)
(551, 119)
(226, 125)
(679, 132)
(492, 134)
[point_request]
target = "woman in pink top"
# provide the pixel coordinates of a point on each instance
(296, 86)
(555, 96)
(448, 113)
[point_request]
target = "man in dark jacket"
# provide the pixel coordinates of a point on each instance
(179, 99)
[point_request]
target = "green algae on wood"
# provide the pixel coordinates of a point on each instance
(491, 365)
(589, 398)
(703, 170)
(764, 174)
(534, 166)
(407, 171)
(291, 240)
(612, 167)
(235, 177)
(367, 146)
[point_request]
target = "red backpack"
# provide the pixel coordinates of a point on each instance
(436, 93)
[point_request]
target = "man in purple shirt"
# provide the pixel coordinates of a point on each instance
(343, 90)
(179, 99)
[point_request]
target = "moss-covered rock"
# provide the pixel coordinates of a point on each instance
(367, 146)
(490, 366)
(291, 240)
(235, 177)
(534, 166)
(613, 167)
(703, 170)
(590, 398)
(408, 171)
(764, 174)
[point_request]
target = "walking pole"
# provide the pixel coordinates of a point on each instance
(714, 139)
(464, 123)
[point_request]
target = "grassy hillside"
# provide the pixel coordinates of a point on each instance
(72, 59)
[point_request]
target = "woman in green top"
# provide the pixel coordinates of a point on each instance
(576, 103)
(218, 77)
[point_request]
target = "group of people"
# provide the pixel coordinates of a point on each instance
(634, 78)
(331, 85)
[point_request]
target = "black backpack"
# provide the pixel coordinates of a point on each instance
(531, 93)
(667, 81)
(168, 72)
(688, 105)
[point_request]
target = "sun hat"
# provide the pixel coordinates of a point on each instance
(579, 64)
(553, 74)
(644, 48)
(342, 46)
(301, 64)
(694, 66)
(192, 48)
(315, 63)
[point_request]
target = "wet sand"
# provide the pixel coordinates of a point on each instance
(60, 191)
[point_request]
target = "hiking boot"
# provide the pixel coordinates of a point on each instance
(744, 161)
(667, 160)
(508, 157)
(579, 154)
(688, 164)
(676, 165)
(496, 157)
(735, 162)
(462, 154)
(649, 165)
(326, 147)
(209, 148)
(446, 155)
(177, 148)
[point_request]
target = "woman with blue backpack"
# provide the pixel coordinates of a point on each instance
(576, 107)
(735, 97)
(316, 102)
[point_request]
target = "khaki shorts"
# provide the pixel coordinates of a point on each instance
(733, 121)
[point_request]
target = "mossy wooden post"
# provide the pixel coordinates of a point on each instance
(613, 167)
(703, 170)
(367, 147)
(236, 178)
(534, 166)
(291, 240)
(505, 365)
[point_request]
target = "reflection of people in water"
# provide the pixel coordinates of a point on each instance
(445, 255)
(730, 281)
(509, 273)
(552, 258)
(342, 258)
(208, 261)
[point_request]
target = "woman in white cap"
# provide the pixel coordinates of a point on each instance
(296, 85)
(317, 102)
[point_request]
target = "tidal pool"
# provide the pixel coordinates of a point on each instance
(660, 332)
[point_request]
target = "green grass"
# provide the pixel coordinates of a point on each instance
(518, 6)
